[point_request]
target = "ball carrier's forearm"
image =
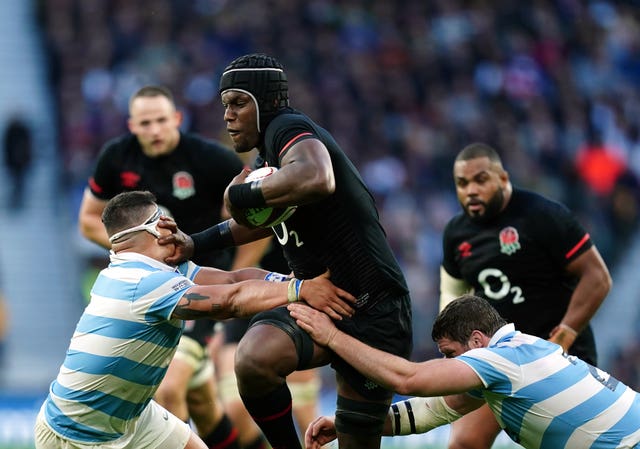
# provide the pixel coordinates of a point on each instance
(225, 235)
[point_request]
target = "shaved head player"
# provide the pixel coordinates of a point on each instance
(529, 257)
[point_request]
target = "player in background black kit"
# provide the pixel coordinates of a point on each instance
(529, 257)
(335, 227)
(188, 176)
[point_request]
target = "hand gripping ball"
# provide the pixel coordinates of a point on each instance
(266, 217)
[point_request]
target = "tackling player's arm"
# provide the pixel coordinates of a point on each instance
(90, 219)
(436, 377)
(246, 298)
(410, 416)
(593, 286)
(451, 288)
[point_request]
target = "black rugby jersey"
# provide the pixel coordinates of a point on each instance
(189, 182)
(341, 232)
(517, 261)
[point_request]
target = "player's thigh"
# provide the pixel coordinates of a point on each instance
(275, 345)
(475, 430)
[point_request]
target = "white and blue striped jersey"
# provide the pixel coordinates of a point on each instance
(545, 399)
(120, 349)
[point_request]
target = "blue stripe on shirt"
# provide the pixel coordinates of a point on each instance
(97, 400)
(126, 369)
(620, 429)
(71, 429)
(165, 334)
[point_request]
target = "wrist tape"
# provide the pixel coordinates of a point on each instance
(419, 415)
(214, 238)
(272, 276)
(247, 195)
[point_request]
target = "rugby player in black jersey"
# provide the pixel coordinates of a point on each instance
(188, 175)
(528, 256)
(335, 227)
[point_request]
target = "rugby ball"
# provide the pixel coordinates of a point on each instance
(266, 217)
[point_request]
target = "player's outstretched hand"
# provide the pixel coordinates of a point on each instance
(183, 243)
(317, 324)
(321, 431)
(323, 295)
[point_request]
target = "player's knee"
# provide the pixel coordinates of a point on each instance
(359, 417)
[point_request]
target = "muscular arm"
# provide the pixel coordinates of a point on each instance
(239, 299)
(215, 276)
(593, 286)
(90, 219)
(248, 297)
(306, 175)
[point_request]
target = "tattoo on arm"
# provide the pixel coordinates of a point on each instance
(183, 309)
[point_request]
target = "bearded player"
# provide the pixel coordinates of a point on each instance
(529, 257)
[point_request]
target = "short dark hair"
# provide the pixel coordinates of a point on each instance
(126, 209)
(463, 315)
(476, 150)
(152, 91)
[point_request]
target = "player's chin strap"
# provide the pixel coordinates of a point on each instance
(419, 415)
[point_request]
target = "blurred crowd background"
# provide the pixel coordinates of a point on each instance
(403, 86)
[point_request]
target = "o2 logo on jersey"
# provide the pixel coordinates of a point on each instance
(489, 277)
(283, 235)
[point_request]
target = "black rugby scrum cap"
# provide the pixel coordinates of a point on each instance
(261, 77)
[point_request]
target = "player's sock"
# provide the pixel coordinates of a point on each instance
(224, 436)
(273, 415)
(258, 443)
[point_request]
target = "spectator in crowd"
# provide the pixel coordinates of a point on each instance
(18, 149)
